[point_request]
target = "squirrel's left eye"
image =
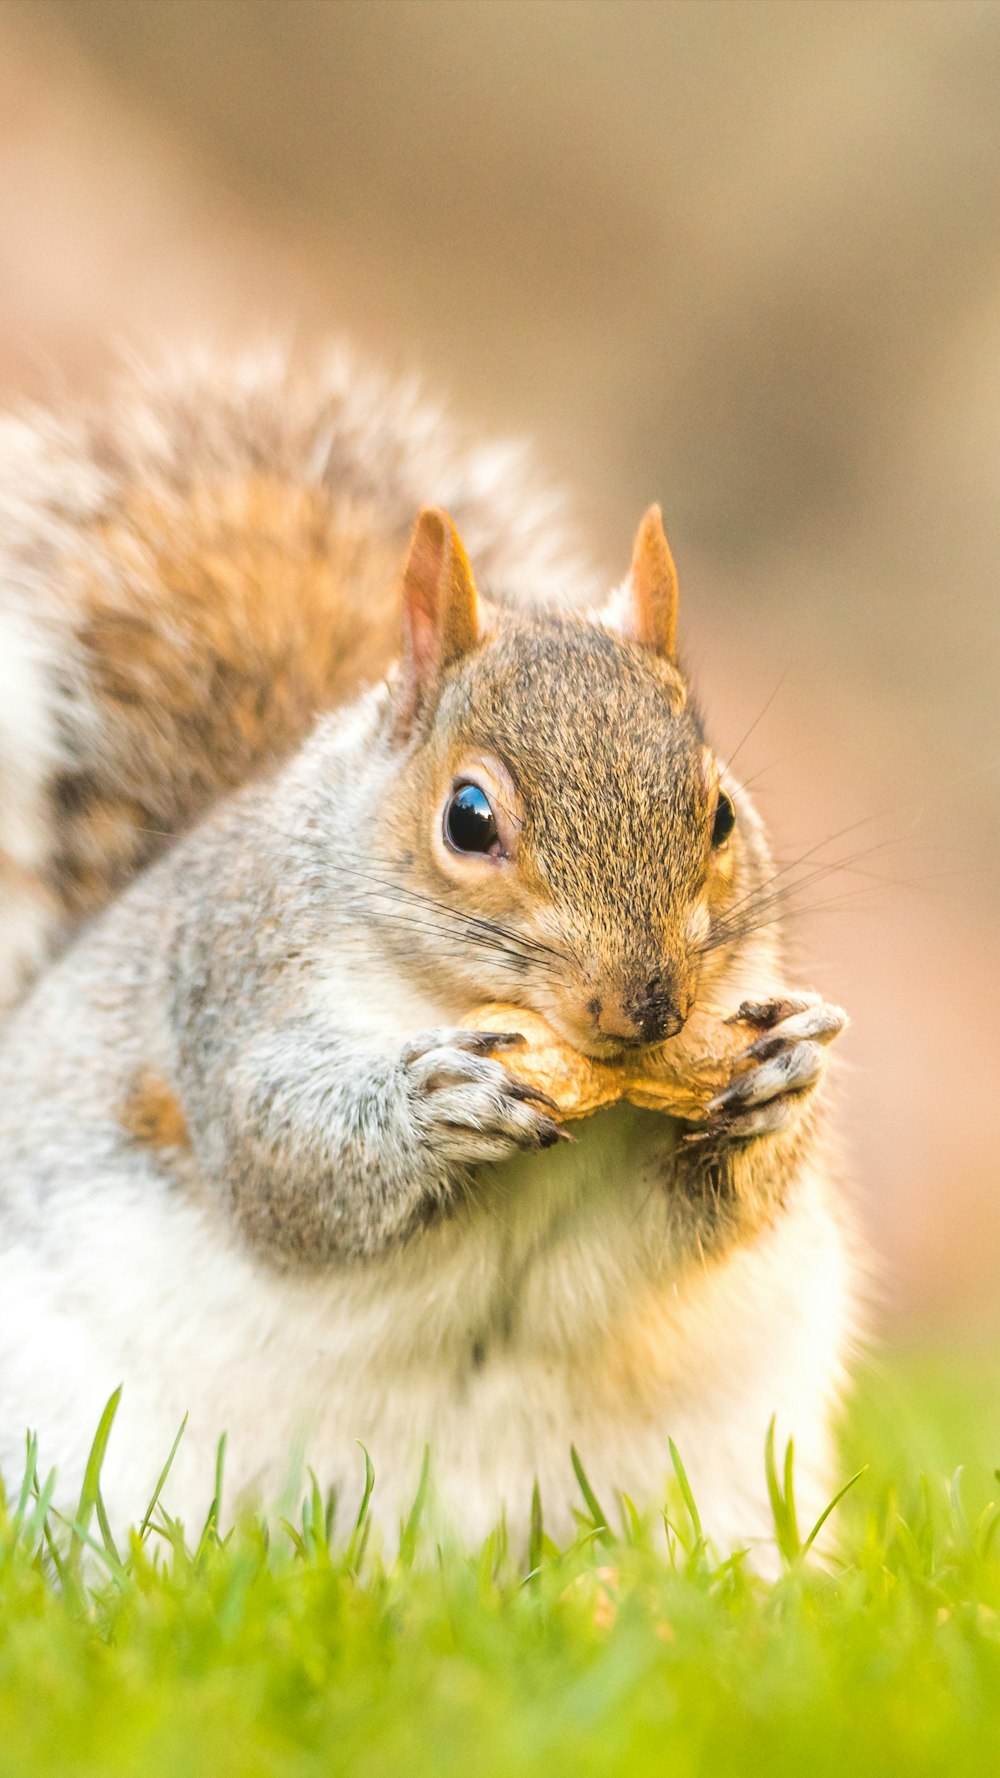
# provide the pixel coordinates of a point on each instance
(469, 822)
(725, 820)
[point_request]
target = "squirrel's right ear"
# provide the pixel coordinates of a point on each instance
(440, 608)
(645, 609)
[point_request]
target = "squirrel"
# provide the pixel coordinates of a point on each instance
(281, 800)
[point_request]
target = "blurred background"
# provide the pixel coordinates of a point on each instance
(741, 256)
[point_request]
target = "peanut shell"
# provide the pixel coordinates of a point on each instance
(686, 1072)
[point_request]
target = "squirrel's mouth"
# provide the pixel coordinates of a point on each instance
(624, 1052)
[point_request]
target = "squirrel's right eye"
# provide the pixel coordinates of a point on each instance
(469, 823)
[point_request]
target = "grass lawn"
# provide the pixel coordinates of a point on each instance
(265, 1653)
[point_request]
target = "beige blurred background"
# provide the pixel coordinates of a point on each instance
(739, 255)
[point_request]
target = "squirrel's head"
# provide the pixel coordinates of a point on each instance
(557, 828)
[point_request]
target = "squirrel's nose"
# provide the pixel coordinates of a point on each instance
(649, 1013)
(656, 1008)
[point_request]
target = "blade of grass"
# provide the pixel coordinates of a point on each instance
(110, 1546)
(36, 1523)
(410, 1529)
(536, 1531)
(598, 1516)
(28, 1481)
(297, 1542)
(794, 1539)
(827, 1510)
(92, 1475)
(105, 1549)
(160, 1483)
(686, 1491)
(782, 1509)
(359, 1536)
(210, 1529)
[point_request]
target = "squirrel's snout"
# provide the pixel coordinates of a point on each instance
(648, 1014)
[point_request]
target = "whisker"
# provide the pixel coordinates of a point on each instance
(471, 929)
(478, 922)
(811, 851)
(836, 905)
(410, 923)
(758, 901)
(745, 916)
(758, 719)
(772, 765)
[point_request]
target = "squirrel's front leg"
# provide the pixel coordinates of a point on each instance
(760, 1126)
(326, 1151)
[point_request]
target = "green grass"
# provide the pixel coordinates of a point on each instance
(274, 1650)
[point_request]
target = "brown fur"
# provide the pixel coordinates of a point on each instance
(152, 1114)
(216, 624)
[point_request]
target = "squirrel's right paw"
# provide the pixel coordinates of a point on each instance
(468, 1107)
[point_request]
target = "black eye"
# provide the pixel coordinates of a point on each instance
(468, 821)
(725, 820)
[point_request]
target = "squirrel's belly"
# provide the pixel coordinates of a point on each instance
(442, 1345)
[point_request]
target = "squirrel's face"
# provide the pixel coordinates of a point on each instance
(556, 797)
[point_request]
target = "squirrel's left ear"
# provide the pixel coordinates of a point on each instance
(440, 608)
(646, 610)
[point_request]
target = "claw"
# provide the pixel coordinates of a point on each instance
(698, 1136)
(531, 1095)
(762, 1050)
(767, 1013)
(549, 1134)
(795, 1068)
(483, 1043)
(475, 1043)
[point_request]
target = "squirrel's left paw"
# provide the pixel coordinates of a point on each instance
(777, 1070)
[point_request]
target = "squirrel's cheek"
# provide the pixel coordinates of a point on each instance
(698, 926)
(723, 870)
